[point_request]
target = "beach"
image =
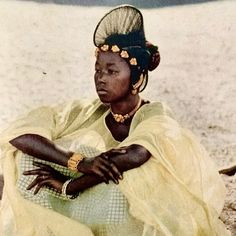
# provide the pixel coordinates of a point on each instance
(47, 57)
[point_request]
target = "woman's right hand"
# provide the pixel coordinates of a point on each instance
(102, 166)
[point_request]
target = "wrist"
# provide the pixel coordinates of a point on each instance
(66, 190)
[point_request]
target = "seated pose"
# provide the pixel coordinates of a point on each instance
(120, 165)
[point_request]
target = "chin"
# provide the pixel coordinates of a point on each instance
(104, 100)
(107, 104)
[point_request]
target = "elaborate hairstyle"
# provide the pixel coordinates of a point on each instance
(121, 31)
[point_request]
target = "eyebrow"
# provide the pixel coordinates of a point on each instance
(108, 64)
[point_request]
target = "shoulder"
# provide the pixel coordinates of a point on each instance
(89, 107)
(152, 113)
(78, 105)
(82, 109)
(155, 109)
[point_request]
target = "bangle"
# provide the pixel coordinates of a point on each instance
(74, 161)
(64, 188)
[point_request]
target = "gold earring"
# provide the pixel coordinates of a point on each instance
(134, 91)
(140, 81)
(136, 86)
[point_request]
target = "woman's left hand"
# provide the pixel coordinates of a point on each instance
(46, 176)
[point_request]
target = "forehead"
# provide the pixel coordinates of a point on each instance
(110, 58)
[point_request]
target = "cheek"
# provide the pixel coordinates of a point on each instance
(122, 87)
(95, 77)
(126, 85)
(126, 80)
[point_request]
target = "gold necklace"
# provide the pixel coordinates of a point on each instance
(121, 118)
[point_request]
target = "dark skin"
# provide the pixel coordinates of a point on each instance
(112, 81)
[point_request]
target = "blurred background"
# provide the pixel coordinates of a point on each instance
(139, 3)
(47, 58)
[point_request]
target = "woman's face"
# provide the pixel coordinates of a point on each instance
(112, 77)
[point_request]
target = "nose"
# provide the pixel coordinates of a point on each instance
(101, 77)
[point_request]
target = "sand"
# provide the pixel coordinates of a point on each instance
(47, 57)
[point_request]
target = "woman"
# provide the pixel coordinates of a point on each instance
(169, 185)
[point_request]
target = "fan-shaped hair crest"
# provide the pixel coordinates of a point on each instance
(121, 20)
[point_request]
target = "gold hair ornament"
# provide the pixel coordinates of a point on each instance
(74, 161)
(124, 54)
(104, 48)
(133, 61)
(136, 86)
(139, 82)
(115, 48)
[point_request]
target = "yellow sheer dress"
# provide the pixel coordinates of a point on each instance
(177, 192)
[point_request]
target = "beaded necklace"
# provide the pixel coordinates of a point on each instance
(121, 118)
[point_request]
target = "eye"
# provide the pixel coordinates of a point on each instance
(112, 72)
(98, 71)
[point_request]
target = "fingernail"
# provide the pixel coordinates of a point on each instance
(120, 177)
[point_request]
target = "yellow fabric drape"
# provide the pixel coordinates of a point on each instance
(177, 192)
(20, 217)
(183, 193)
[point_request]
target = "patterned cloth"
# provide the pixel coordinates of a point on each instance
(102, 207)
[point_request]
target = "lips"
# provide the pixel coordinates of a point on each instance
(101, 91)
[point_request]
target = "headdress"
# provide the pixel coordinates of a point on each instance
(121, 31)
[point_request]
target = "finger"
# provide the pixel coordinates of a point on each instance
(40, 185)
(112, 177)
(115, 170)
(109, 173)
(104, 156)
(112, 167)
(104, 162)
(121, 150)
(41, 165)
(36, 172)
(33, 184)
(36, 181)
(101, 175)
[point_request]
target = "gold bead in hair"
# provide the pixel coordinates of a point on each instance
(124, 54)
(104, 48)
(115, 48)
(133, 61)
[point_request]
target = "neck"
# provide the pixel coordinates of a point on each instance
(125, 106)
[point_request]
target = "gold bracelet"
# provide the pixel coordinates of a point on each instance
(74, 161)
